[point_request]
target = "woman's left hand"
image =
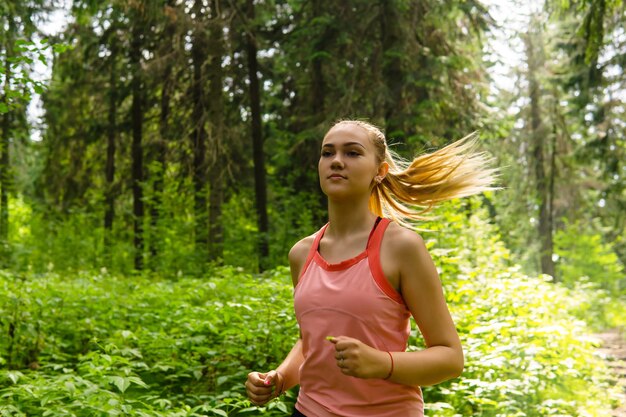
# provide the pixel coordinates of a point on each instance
(357, 359)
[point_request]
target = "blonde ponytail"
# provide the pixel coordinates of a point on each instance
(412, 189)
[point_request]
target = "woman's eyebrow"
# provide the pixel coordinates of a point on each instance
(345, 145)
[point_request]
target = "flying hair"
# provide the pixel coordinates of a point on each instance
(411, 189)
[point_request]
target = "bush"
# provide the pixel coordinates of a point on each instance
(97, 344)
(583, 255)
(94, 344)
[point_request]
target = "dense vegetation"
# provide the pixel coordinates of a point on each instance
(183, 347)
(143, 238)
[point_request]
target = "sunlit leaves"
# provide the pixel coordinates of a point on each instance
(22, 54)
(156, 348)
(184, 347)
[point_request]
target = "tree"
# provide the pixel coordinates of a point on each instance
(168, 53)
(112, 138)
(260, 184)
(538, 135)
(593, 74)
(19, 50)
(199, 52)
(5, 168)
(137, 116)
(217, 132)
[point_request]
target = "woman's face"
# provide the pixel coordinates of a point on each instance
(347, 164)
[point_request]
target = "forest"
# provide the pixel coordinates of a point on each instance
(153, 182)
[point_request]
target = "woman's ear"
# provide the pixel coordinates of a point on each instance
(383, 169)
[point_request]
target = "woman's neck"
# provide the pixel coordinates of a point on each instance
(346, 218)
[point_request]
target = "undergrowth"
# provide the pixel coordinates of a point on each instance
(95, 344)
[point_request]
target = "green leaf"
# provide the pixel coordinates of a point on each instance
(219, 412)
(60, 48)
(14, 376)
(4, 108)
(120, 382)
(137, 381)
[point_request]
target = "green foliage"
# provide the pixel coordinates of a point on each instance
(42, 241)
(23, 54)
(95, 343)
(154, 348)
(584, 256)
(526, 353)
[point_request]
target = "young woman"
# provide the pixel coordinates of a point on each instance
(361, 277)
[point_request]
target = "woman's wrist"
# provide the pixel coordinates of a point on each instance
(280, 383)
(384, 365)
(391, 366)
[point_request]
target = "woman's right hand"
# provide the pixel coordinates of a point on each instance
(262, 387)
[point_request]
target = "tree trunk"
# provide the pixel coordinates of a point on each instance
(317, 112)
(109, 197)
(260, 185)
(160, 148)
(538, 134)
(5, 168)
(550, 208)
(137, 150)
(318, 86)
(393, 76)
(198, 135)
(216, 119)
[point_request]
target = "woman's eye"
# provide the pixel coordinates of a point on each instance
(326, 154)
(352, 153)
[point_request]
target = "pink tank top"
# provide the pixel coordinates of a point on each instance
(351, 298)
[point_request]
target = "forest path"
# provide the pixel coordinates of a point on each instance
(613, 349)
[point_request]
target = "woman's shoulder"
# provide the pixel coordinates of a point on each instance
(406, 255)
(300, 250)
(298, 255)
(402, 241)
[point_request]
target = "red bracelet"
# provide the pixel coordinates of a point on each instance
(391, 370)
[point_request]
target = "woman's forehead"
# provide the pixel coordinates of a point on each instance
(346, 132)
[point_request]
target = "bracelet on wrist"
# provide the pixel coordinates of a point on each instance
(391, 369)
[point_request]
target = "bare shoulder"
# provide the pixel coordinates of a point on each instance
(404, 242)
(298, 255)
(300, 250)
(404, 256)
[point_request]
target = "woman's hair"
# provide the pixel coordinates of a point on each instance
(454, 171)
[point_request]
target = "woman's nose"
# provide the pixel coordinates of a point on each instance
(337, 162)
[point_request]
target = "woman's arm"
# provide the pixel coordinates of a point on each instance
(422, 291)
(290, 367)
(262, 387)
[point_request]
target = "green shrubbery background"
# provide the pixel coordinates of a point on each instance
(94, 343)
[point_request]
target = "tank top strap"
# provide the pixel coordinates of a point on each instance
(376, 236)
(373, 255)
(314, 248)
